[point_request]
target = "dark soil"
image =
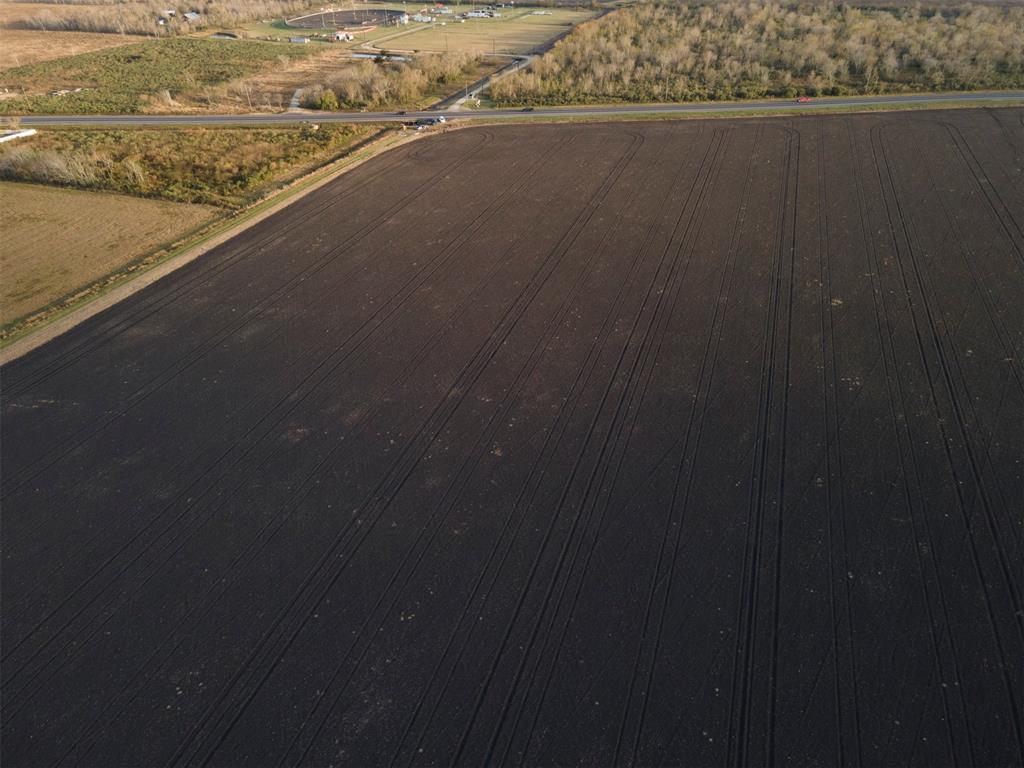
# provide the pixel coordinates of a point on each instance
(681, 443)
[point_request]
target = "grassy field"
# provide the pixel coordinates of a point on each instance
(20, 47)
(58, 240)
(517, 31)
(226, 167)
(125, 79)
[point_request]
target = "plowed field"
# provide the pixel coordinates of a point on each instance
(694, 443)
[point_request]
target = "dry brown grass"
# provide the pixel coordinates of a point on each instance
(57, 241)
(15, 14)
(26, 46)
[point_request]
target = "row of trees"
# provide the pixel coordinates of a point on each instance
(664, 51)
(139, 17)
(366, 83)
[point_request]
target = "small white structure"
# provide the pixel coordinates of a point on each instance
(12, 135)
(302, 40)
(341, 37)
(423, 18)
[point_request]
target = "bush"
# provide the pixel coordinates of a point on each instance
(370, 84)
(328, 101)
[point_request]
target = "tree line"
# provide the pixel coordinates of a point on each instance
(664, 51)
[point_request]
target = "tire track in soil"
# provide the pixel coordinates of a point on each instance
(454, 490)
(490, 674)
(895, 390)
(372, 413)
(263, 536)
(895, 212)
(1000, 210)
(620, 435)
(742, 698)
(315, 350)
(213, 341)
(952, 376)
(146, 306)
(552, 438)
(834, 464)
(393, 478)
(1014, 357)
(436, 262)
(687, 459)
(265, 533)
(574, 522)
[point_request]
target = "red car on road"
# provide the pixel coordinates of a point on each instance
(803, 100)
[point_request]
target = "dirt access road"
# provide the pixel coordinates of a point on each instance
(657, 443)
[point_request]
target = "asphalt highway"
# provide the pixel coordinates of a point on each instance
(769, 105)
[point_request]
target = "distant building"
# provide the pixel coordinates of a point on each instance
(340, 37)
(422, 18)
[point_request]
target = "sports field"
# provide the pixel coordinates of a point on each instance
(516, 31)
(674, 443)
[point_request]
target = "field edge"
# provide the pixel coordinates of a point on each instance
(30, 332)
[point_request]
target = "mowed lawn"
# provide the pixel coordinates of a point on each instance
(514, 32)
(57, 241)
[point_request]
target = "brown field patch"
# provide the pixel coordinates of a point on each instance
(26, 46)
(59, 240)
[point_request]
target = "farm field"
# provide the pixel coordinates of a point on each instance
(57, 241)
(654, 443)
